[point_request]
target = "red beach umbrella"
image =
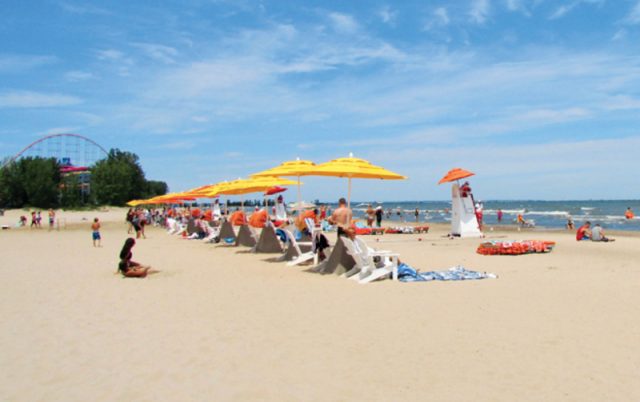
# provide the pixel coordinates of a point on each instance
(275, 190)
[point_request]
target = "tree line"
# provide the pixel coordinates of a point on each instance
(37, 182)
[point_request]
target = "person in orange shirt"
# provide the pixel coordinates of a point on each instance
(238, 218)
(300, 220)
(208, 215)
(258, 219)
(629, 213)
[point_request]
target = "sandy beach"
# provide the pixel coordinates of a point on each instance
(220, 323)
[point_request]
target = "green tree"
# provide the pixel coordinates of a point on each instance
(155, 187)
(117, 178)
(30, 181)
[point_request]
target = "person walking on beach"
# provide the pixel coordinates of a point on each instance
(52, 218)
(499, 215)
(417, 215)
(95, 228)
(379, 213)
(39, 220)
(570, 225)
(371, 214)
(341, 217)
(33, 220)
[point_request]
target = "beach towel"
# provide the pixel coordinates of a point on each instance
(457, 273)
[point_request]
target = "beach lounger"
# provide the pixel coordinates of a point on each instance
(246, 236)
(191, 226)
(227, 232)
(268, 241)
(365, 269)
(294, 254)
(338, 262)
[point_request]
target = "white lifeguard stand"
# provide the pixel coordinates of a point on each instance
(464, 222)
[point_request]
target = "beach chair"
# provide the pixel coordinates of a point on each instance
(191, 226)
(338, 262)
(365, 269)
(246, 236)
(227, 232)
(268, 242)
(294, 253)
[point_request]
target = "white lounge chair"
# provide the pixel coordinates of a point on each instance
(300, 257)
(365, 270)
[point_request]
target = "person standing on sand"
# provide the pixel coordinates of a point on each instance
(33, 220)
(371, 214)
(39, 220)
(95, 227)
(52, 218)
(341, 217)
(379, 213)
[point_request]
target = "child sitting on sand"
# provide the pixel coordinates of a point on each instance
(127, 267)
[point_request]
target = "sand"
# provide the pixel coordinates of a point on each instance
(219, 323)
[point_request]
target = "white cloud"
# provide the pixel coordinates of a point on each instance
(622, 102)
(75, 76)
(83, 9)
(517, 6)
(564, 9)
(442, 15)
(59, 130)
(634, 14)
(28, 99)
(387, 15)
(10, 63)
(343, 23)
(110, 54)
(479, 11)
(162, 53)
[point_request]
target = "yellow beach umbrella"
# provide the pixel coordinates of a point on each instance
(135, 203)
(295, 168)
(247, 186)
(354, 168)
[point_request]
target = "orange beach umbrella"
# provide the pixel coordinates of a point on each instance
(455, 174)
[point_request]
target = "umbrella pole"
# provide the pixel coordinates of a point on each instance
(299, 194)
(349, 194)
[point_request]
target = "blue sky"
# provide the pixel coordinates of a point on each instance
(541, 98)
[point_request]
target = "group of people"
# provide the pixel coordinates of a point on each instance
(36, 219)
(586, 232)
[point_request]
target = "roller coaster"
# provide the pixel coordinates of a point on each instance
(74, 152)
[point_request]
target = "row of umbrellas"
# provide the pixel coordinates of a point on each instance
(268, 180)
